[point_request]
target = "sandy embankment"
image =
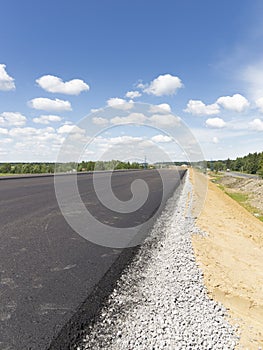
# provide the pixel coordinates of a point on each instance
(231, 257)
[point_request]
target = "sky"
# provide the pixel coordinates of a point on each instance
(201, 62)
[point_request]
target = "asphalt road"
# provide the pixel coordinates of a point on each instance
(52, 280)
(238, 174)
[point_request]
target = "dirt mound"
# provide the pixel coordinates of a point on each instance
(252, 187)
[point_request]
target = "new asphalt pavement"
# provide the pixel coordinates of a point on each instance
(52, 280)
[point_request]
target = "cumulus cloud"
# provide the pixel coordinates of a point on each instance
(161, 138)
(216, 123)
(70, 128)
(100, 121)
(237, 102)
(6, 82)
(47, 104)
(215, 139)
(3, 131)
(95, 110)
(12, 119)
(131, 118)
(29, 131)
(259, 104)
(256, 124)
(166, 84)
(54, 84)
(133, 94)
(46, 119)
(119, 103)
(6, 140)
(103, 144)
(141, 86)
(123, 140)
(161, 108)
(33, 143)
(197, 107)
(165, 120)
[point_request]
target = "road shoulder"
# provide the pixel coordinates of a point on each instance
(231, 257)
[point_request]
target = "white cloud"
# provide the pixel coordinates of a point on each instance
(29, 132)
(3, 132)
(47, 104)
(140, 85)
(215, 140)
(146, 144)
(33, 144)
(237, 102)
(67, 128)
(95, 110)
(216, 123)
(161, 108)
(54, 84)
(131, 118)
(256, 124)
(253, 77)
(12, 119)
(6, 82)
(166, 84)
(119, 103)
(259, 104)
(161, 138)
(5, 140)
(123, 140)
(133, 94)
(100, 121)
(197, 107)
(46, 119)
(103, 144)
(165, 120)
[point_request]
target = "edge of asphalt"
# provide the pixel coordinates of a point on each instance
(72, 332)
(32, 176)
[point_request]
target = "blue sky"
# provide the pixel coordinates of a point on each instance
(202, 59)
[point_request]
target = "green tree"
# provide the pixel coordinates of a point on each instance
(90, 166)
(99, 165)
(260, 167)
(36, 169)
(228, 164)
(5, 168)
(43, 168)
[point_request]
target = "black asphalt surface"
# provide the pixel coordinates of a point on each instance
(52, 280)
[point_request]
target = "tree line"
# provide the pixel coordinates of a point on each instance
(251, 164)
(45, 168)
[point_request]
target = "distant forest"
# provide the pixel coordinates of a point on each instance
(251, 163)
(45, 168)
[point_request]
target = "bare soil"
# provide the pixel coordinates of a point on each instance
(252, 187)
(231, 257)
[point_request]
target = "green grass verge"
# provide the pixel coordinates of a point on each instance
(242, 199)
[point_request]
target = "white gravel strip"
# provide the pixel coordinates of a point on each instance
(160, 302)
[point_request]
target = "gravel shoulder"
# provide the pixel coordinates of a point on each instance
(231, 258)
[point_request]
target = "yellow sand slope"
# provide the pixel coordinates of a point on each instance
(231, 257)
